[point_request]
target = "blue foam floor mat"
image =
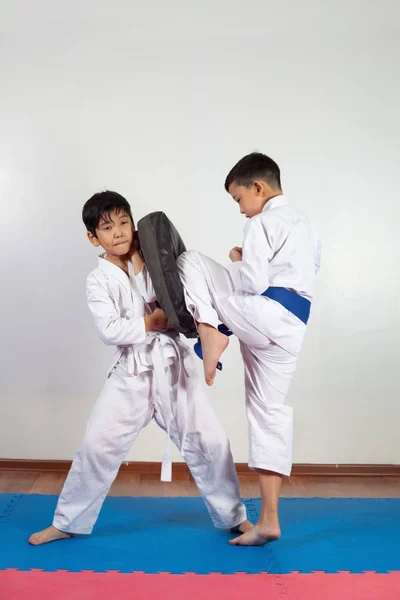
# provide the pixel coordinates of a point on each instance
(175, 535)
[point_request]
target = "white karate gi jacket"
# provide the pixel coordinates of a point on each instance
(281, 248)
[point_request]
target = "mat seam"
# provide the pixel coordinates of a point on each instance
(272, 563)
(10, 507)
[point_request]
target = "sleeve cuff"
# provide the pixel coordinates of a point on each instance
(141, 333)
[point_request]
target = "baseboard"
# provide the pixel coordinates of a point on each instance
(150, 468)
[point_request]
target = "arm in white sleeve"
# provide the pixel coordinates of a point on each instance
(145, 285)
(251, 274)
(112, 329)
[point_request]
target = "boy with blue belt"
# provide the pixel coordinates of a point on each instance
(264, 298)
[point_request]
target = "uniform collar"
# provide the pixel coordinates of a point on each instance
(280, 200)
(115, 271)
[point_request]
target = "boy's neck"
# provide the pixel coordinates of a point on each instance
(118, 261)
(271, 195)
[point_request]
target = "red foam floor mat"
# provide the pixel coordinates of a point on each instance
(63, 585)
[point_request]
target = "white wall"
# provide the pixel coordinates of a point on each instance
(158, 100)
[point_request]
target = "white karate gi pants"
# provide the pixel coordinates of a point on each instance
(126, 405)
(268, 368)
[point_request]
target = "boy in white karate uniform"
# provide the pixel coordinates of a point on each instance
(152, 377)
(264, 298)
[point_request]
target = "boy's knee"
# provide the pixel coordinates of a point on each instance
(207, 443)
(187, 257)
(215, 444)
(219, 446)
(94, 445)
(91, 445)
(183, 258)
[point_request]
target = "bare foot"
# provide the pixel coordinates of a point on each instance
(258, 536)
(243, 527)
(51, 534)
(213, 343)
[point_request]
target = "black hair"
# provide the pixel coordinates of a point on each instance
(101, 204)
(253, 167)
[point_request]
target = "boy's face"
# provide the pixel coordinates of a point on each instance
(114, 233)
(251, 200)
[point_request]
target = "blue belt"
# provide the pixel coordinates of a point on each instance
(297, 305)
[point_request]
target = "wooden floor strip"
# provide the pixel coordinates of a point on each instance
(135, 484)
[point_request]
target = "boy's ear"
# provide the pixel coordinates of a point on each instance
(261, 188)
(93, 239)
(258, 185)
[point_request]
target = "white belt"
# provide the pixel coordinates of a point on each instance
(161, 388)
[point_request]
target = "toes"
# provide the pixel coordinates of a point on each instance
(33, 540)
(235, 541)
